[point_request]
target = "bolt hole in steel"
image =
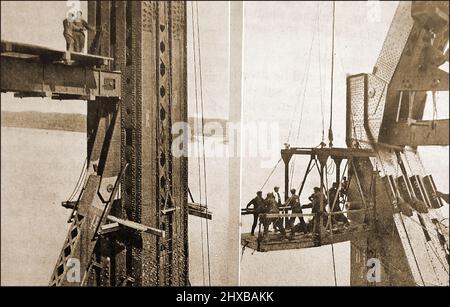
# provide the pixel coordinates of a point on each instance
(162, 69)
(109, 188)
(162, 114)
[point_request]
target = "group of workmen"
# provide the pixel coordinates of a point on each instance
(272, 204)
(74, 28)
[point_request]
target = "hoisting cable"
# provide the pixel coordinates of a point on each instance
(407, 164)
(320, 83)
(196, 127)
(330, 129)
(305, 82)
(303, 98)
(387, 266)
(330, 220)
(396, 193)
(271, 173)
(203, 140)
(79, 181)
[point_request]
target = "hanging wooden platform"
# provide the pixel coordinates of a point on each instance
(276, 242)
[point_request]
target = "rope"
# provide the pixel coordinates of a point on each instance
(302, 103)
(320, 83)
(270, 175)
(402, 222)
(196, 126)
(305, 82)
(79, 181)
(331, 232)
(432, 265)
(388, 266)
(330, 129)
(400, 160)
(203, 140)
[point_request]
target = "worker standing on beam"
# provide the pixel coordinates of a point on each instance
(79, 36)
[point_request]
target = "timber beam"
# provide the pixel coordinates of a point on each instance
(420, 133)
(343, 153)
(199, 210)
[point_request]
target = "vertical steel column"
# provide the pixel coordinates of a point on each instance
(149, 48)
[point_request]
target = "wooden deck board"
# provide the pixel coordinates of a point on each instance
(21, 50)
(275, 241)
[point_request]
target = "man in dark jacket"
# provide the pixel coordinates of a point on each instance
(79, 35)
(317, 200)
(258, 207)
(334, 204)
(271, 206)
(294, 202)
(70, 30)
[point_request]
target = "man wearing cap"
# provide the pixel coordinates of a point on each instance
(258, 207)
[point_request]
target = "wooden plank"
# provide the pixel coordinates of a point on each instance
(332, 152)
(137, 226)
(21, 49)
(108, 228)
(199, 210)
(275, 242)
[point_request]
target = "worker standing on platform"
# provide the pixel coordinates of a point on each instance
(334, 205)
(294, 203)
(344, 186)
(70, 30)
(317, 198)
(272, 207)
(258, 207)
(79, 36)
(277, 195)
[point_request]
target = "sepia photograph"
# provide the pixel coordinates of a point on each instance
(213, 144)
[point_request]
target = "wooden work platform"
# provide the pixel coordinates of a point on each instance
(36, 71)
(275, 241)
(28, 51)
